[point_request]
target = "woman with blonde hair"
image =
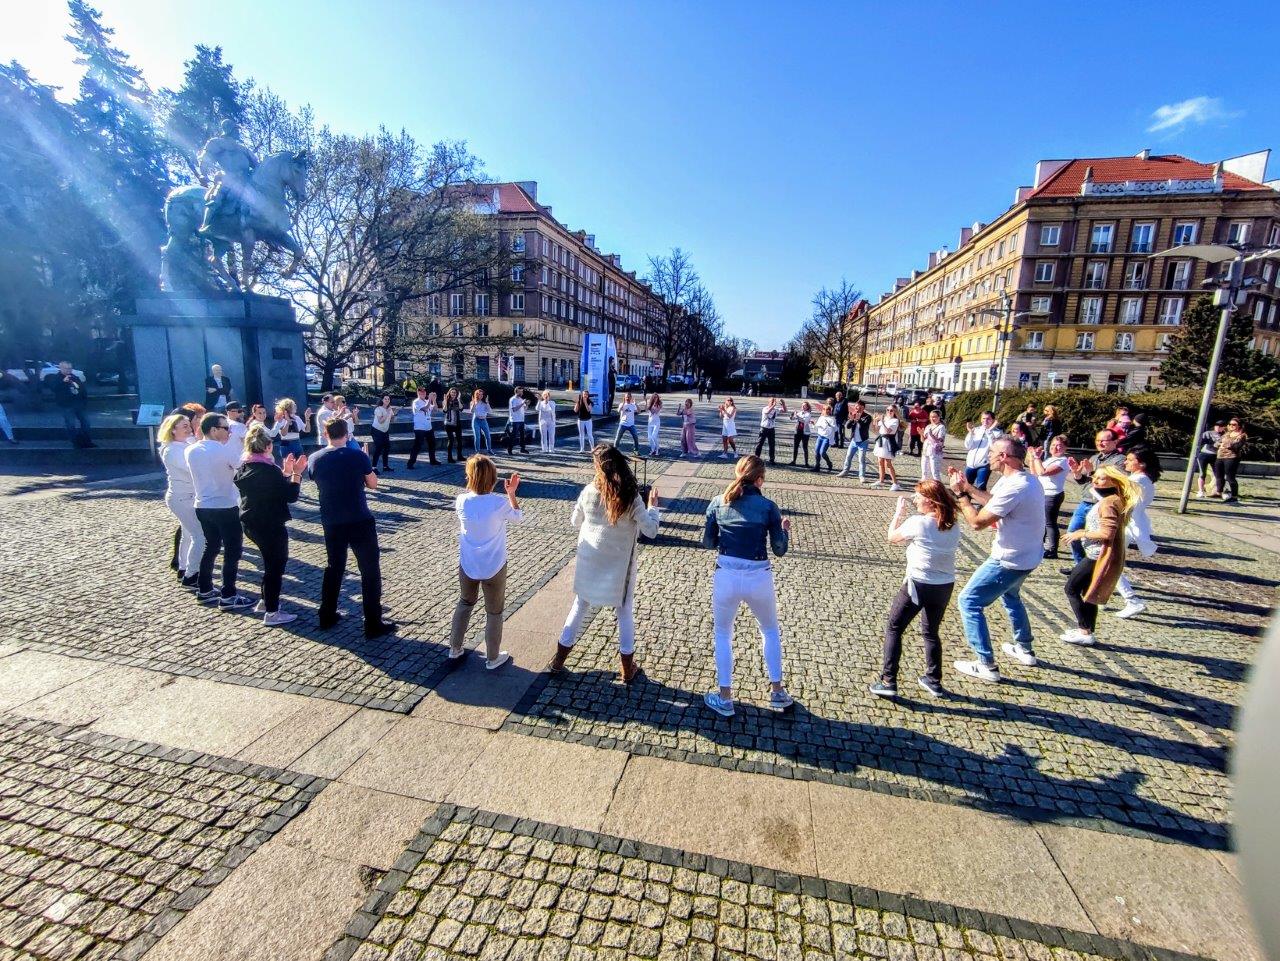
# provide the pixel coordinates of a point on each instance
(288, 428)
(480, 411)
(266, 491)
(609, 515)
(688, 429)
(1092, 581)
(483, 516)
(547, 423)
(180, 495)
(741, 524)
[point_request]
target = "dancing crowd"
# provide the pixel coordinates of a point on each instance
(232, 475)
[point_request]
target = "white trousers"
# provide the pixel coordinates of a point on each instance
(734, 586)
(4, 424)
(655, 429)
(626, 623)
(1126, 588)
(192, 544)
(547, 435)
(586, 436)
(931, 467)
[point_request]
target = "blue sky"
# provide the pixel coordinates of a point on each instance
(784, 145)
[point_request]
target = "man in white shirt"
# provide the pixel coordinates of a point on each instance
(213, 462)
(977, 441)
(1015, 508)
(326, 413)
(236, 424)
(217, 388)
(424, 432)
(516, 409)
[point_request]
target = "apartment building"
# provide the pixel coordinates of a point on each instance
(1068, 266)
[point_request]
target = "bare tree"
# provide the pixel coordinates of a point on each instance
(828, 337)
(684, 312)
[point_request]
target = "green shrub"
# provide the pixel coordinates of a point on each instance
(1171, 414)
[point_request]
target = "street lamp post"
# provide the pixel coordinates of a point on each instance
(1007, 316)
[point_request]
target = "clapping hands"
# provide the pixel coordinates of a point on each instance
(511, 484)
(294, 464)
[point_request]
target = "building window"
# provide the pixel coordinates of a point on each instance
(433, 328)
(1050, 234)
(482, 368)
(1180, 275)
(1238, 232)
(517, 243)
(517, 329)
(1044, 271)
(1090, 310)
(1095, 275)
(482, 330)
(1124, 341)
(1116, 383)
(1131, 310)
(1135, 275)
(546, 249)
(1184, 233)
(1034, 341)
(1077, 381)
(1041, 305)
(1171, 311)
(1100, 238)
(1142, 238)
(482, 304)
(517, 274)
(517, 303)
(1084, 340)
(545, 275)
(456, 302)
(1166, 341)
(433, 304)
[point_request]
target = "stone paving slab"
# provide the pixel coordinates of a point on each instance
(106, 843)
(1130, 736)
(476, 884)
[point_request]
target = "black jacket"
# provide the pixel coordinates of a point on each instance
(863, 422)
(67, 391)
(265, 495)
(211, 391)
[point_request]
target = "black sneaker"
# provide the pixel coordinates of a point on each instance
(933, 687)
(883, 688)
(379, 630)
(327, 623)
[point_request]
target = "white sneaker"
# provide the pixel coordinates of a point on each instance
(502, 658)
(1131, 609)
(842, 472)
(895, 487)
(875, 484)
(260, 607)
(279, 617)
(1018, 654)
(1077, 636)
(718, 704)
(1199, 495)
(978, 669)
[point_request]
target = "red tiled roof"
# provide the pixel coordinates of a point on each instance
(1066, 182)
(513, 200)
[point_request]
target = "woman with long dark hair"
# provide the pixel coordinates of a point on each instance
(1144, 470)
(742, 524)
(452, 413)
(383, 414)
(266, 491)
(804, 424)
(609, 516)
(586, 432)
(931, 536)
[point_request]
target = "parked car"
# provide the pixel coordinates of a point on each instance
(630, 382)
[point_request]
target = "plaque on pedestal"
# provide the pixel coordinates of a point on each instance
(256, 339)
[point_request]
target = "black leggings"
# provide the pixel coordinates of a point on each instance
(1076, 587)
(421, 437)
(933, 602)
(452, 438)
(1224, 473)
(1052, 532)
(801, 440)
(381, 447)
(221, 526)
(273, 544)
(766, 434)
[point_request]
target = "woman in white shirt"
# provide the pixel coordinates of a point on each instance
(482, 556)
(480, 411)
(180, 495)
(627, 421)
(804, 425)
(825, 430)
(1143, 467)
(931, 536)
(655, 423)
(609, 516)
(886, 446)
(1052, 472)
(933, 443)
(383, 414)
(287, 430)
(546, 423)
(977, 442)
(728, 428)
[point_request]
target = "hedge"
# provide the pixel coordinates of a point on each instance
(1171, 415)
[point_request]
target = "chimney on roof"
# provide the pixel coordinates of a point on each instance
(591, 241)
(530, 187)
(1087, 182)
(933, 260)
(1047, 168)
(1021, 194)
(965, 234)
(1144, 153)
(1217, 175)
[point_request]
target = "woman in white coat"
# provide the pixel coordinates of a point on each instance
(609, 515)
(180, 495)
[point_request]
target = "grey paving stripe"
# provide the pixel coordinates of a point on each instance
(106, 843)
(477, 883)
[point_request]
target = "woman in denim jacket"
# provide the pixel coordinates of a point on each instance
(739, 522)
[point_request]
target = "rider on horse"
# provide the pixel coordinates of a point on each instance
(226, 165)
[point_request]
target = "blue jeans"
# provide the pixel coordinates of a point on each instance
(977, 476)
(820, 454)
(480, 428)
(77, 425)
(989, 582)
(623, 429)
(859, 449)
(1077, 524)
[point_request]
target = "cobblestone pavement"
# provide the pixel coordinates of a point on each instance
(478, 885)
(118, 601)
(105, 843)
(1128, 736)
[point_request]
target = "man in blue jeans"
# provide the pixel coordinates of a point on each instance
(1015, 508)
(1106, 443)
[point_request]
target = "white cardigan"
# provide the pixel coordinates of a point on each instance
(605, 570)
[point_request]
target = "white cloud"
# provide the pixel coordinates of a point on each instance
(1174, 116)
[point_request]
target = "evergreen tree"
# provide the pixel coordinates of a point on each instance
(1187, 364)
(209, 95)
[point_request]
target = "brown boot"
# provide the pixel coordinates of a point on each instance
(557, 662)
(629, 667)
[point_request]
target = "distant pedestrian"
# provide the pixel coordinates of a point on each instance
(517, 407)
(741, 525)
(1230, 450)
(423, 410)
(217, 389)
(933, 446)
(728, 427)
(840, 410)
(1135, 438)
(586, 433)
(609, 515)
(627, 422)
(546, 423)
(1014, 507)
(480, 411)
(859, 440)
(342, 475)
(452, 417)
(180, 496)
(71, 397)
(804, 426)
(483, 516)
(1207, 457)
(977, 444)
(917, 420)
(213, 462)
(266, 491)
(1095, 577)
(824, 429)
(380, 428)
(689, 430)
(768, 427)
(655, 423)
(888, 428)
(932, 537)
(1050, 425)
(1051, 470)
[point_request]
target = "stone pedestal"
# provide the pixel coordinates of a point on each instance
(256, 339)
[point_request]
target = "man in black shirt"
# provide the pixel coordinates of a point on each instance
(842, 417)
(342, 474)
(72, 399)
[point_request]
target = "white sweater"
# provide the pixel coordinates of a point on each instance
(606, 552)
